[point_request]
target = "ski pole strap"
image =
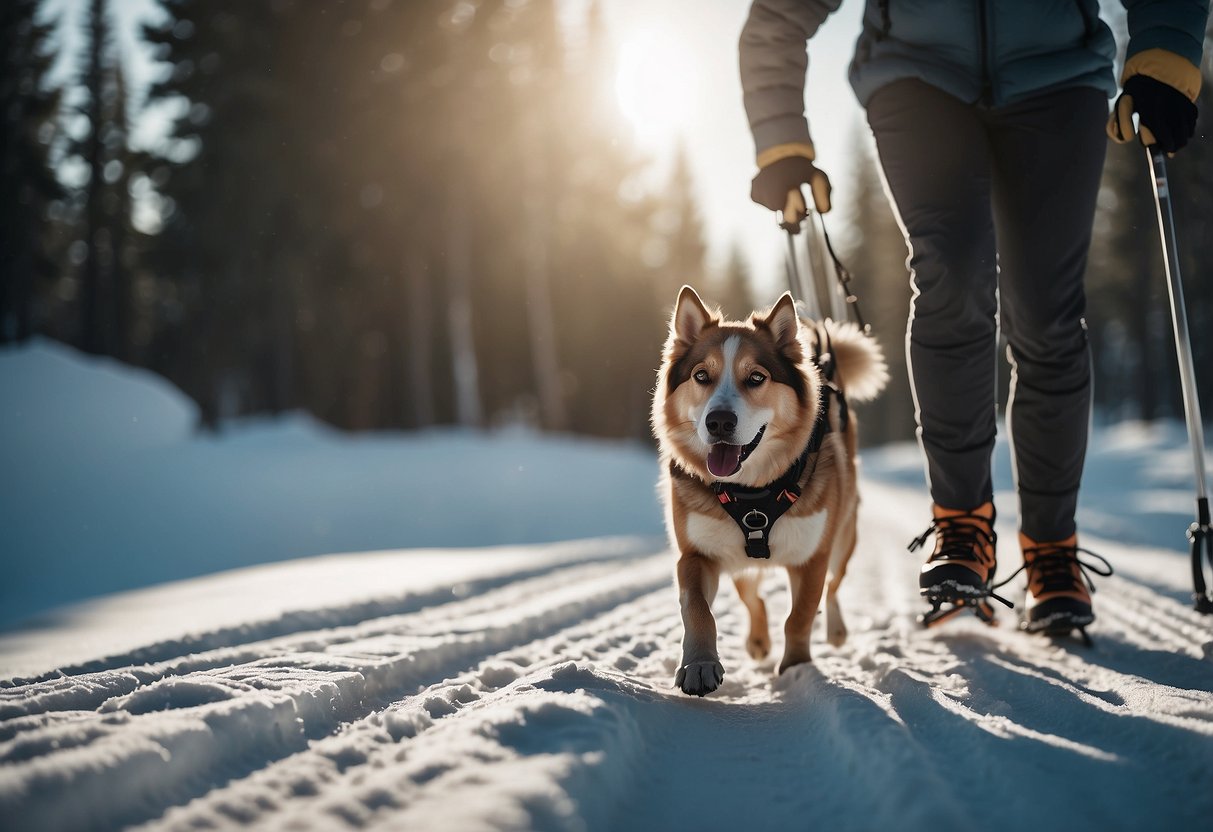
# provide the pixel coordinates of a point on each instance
(844, 276)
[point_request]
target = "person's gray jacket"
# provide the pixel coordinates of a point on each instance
(992, 51)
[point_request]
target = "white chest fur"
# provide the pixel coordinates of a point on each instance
(793, 540)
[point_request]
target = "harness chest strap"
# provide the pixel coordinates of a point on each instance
(756, 513)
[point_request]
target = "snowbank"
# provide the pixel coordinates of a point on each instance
(106, 488)
(59, 403)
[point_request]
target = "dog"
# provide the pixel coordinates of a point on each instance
(758, 455)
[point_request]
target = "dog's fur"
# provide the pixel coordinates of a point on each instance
(710, 363)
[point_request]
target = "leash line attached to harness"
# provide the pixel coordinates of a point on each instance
(843, 274)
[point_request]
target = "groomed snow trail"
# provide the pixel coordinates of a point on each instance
(540, 697)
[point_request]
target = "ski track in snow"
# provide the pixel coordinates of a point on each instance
(541, 698)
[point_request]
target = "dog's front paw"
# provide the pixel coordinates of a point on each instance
(699, 678)
(794, 656)
(758, 646)
(836, 632)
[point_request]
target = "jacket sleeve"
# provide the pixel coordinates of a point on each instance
(773, 66)
(1166, 38)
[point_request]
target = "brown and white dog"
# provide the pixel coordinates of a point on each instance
(750, 429)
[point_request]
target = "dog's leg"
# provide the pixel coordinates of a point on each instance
(836, 628)
(698, 579)
(758, 643)
(806, 583)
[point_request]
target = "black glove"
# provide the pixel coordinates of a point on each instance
(779, 180)
(1167, 117)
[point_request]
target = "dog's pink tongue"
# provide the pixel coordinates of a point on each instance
(724, 459)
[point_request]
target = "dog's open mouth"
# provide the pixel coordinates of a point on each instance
(724, 459)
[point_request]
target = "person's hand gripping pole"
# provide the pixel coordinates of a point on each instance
(1161, 88)
(782, 170)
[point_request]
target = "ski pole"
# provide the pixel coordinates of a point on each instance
(1199, 533)
(793, 210)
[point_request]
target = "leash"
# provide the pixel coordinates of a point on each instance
(794, 213)
(1200, 533)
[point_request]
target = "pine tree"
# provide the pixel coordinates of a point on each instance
(535, 120)
(120, 167)
(732, 290)
(876, 257)
(28, 109)
(684, 234)
(402, 214)
(1192, 172)
(95, 335)
(231, 168)
(610, 251)
(1124, 290)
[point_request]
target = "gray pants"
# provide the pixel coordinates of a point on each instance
(997, 207)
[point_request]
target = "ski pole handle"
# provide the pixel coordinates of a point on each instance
(794, 211)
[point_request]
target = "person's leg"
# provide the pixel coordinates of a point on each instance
(935, 157)
(1048, 157)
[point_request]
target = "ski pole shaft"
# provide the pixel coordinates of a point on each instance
(793, 214)
(1179, 316)
(797, 283)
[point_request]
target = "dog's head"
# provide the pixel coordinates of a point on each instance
(735, 400)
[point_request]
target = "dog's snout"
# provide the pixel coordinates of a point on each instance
(721, 423)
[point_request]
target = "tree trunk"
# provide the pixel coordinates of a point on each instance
(540, 317)
(93, 317)
(418, 304)
(120, 280)
(468, 408)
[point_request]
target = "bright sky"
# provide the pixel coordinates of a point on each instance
(677, 82)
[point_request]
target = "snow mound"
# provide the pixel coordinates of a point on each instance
(60, 401)
(105, 489)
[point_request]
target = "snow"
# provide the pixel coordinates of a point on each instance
(106, 488)
(519, 677)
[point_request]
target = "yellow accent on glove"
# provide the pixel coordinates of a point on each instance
(1161, 65)
(783, 151)
(1165, 66)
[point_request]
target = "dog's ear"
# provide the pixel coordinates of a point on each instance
(690, 318)
(782, 321)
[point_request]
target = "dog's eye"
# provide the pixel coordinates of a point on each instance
(756, 379)
(702, 376)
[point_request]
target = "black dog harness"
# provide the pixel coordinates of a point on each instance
(755, 510)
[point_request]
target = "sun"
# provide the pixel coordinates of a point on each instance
(655, 85)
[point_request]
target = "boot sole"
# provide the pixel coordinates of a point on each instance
(953, 591)
(1059, 623)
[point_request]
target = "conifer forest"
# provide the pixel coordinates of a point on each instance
(398, 215)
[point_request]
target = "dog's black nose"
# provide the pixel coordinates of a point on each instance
(721, 424)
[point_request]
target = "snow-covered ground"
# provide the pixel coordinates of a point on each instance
(528, 685)
(105, 487)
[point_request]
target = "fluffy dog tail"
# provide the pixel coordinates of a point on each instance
(862, 371)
